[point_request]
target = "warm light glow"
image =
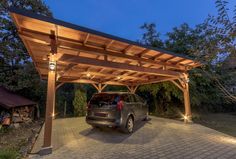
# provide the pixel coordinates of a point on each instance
(53, 115)
(187, 80)
(228, 140)
(52, 65)
(185, 117)
(88, 74)
(118, 77)
(45, 58)
(223, 139)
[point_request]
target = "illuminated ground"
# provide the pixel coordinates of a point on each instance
(158, 138)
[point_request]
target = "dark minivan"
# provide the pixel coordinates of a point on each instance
(116, 109)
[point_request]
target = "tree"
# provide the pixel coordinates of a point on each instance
(216, 35)
(79, 103)
(164, 96)
(65, 96)
(182, 40)
(13, 55)
(151, 37)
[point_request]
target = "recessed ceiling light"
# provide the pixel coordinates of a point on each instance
(88, 74)
(45, 58)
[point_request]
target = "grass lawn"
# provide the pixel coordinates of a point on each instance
(225, 123)
(16, 142)
(9, 154)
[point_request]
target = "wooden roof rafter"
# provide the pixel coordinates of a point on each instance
(99, 51)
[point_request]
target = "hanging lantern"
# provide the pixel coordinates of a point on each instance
(52, 65)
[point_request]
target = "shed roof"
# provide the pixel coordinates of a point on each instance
(10, 100)
(88, 56)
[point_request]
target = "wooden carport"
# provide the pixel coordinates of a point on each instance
(63, 52)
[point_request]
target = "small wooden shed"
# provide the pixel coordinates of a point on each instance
(18, 108)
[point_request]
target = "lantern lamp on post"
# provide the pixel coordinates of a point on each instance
(52, 65)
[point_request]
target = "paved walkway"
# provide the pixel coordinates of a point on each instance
(158, 138)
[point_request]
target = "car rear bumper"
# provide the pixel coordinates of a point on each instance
(103, 122)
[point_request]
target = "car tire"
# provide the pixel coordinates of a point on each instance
(146, 118)
(129, 125)
(95, 127)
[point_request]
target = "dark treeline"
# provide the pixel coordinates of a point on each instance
(210, 42)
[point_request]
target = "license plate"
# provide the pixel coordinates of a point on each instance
(100, 114)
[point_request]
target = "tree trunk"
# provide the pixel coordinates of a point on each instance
(65, 105)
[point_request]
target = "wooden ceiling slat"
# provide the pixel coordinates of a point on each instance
(157, 56)
(143, 52)
(128, 48)
(170, 58)
(93, 73)
(109, 44)
(86, 39)
(115, 65)
(179, 61)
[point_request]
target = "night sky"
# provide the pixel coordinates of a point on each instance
(123, 18)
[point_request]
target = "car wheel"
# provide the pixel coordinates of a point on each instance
(95, 127)
(146, 118)
(129, 125)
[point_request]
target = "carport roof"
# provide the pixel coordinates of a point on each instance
(88, 56)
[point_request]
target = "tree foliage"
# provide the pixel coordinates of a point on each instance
(80, 102)
(205, 42)
(150, 36)
(14, 58)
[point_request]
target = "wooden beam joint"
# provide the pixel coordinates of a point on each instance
(53, 42)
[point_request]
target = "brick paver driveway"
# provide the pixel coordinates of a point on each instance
(158, 138)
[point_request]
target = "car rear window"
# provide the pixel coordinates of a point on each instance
(106, 98)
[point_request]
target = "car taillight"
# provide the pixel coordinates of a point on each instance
(120, 105)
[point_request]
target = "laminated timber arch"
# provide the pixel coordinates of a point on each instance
(66, 53)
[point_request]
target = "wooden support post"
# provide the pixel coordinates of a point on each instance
(99, 88)
(184, 82)
(50, 103)
(54, 99)
(47, 147)
(184, 87)
(188, 113)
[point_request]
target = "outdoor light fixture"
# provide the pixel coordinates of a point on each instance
(185, 117)
(45, 58)
(187, 80)
(52, 65)
(88, 74)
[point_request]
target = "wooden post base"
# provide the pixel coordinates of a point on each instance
(184, 87)
(45, 151)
